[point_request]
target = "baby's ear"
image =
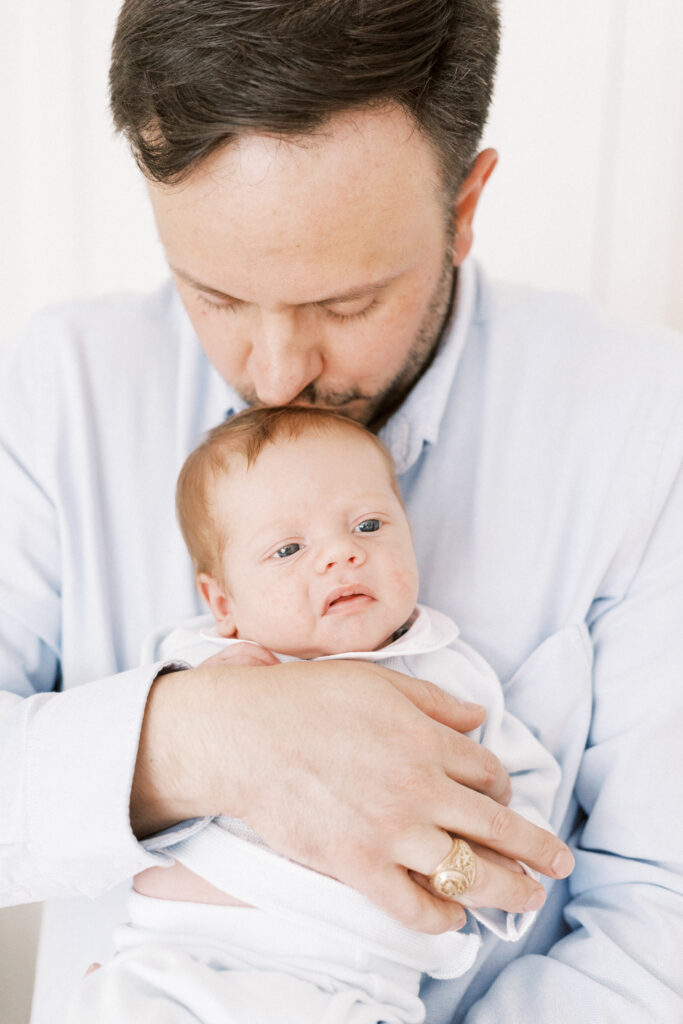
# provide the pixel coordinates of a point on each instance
(216, 596)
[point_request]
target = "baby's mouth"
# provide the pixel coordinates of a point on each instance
(347, 598)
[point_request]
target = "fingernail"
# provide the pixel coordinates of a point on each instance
(563, 864)
(536, 900)
(473, 707)
(458, 923)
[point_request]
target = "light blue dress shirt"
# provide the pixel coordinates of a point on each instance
(540, 459)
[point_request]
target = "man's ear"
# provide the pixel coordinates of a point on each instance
(216, 596)
(466, 202)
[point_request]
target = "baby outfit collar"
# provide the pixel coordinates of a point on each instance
(429, 631)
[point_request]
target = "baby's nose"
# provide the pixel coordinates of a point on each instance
(342, 551)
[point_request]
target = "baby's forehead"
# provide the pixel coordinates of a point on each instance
(314, 442)
(305, 462)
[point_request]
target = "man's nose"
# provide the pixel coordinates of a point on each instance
(339, 552)
(285, 358)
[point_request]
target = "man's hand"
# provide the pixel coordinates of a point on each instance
(350, 768)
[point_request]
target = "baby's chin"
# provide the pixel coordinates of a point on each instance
(348, 638)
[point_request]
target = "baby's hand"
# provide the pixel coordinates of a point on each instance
(243, 655)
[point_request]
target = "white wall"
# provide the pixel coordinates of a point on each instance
(588, 120)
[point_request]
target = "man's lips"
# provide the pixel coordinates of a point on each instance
(347, 597)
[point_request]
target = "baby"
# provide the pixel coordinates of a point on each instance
(302, 549)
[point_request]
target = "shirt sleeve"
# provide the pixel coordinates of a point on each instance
(66, 762)
(66, 759)
(620, 959)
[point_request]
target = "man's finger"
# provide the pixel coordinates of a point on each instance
(498, 882)
(500, 886)
(498, 858)
(469, 763)
(408, 900)
(466, 761)
(436, 703)
(484, 821)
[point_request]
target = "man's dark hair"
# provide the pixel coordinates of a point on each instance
(187, 76)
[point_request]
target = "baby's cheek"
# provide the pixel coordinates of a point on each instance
(284, 610)
(405, 584)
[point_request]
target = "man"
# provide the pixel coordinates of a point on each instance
(314, 174)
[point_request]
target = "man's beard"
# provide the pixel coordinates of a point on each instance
(377, 408)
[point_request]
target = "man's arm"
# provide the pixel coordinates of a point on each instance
(295, 751)
(66, 759)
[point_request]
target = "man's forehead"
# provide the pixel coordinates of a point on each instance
(381, 147)
(365, 133)
(330, 221)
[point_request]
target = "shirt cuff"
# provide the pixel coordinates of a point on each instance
(160, 841)
(81, 750)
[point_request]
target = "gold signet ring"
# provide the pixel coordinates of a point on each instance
(456, 872)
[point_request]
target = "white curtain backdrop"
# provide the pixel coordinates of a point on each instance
(588, 196)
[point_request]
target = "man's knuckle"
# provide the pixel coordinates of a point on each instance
(489, 769)
(546, 847)
(434, 698)
(499, 824)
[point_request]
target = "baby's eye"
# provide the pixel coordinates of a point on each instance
(287, 550)
(368, 526)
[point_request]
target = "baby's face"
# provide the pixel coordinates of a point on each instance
(319, 558)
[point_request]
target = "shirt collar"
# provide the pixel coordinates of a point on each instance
(418, 420)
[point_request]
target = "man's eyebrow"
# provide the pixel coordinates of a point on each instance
(356, 293)
(350, 296)
(202, 287)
